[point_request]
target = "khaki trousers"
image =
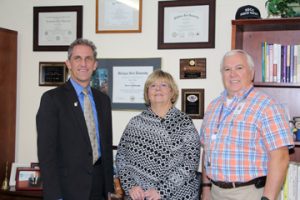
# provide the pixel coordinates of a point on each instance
(241, 193)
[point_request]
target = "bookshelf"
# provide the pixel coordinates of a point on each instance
(248, 35)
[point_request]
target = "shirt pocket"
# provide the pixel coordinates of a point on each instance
(244, 134)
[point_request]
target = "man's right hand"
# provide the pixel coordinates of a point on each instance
(206, 195)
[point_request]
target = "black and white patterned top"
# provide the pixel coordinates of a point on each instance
(160, 153)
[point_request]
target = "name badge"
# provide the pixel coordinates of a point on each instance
(213, 136)
(239, 108)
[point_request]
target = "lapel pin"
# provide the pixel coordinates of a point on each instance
(76, 104)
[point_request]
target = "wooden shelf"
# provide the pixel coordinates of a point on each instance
(280, 24)
(250, 34)
(278, 85)
(12, 194)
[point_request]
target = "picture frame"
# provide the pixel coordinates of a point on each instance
(56, 27)
(52, 73)
(35, 165)
(123, 79)
(28, 178)
(12, 177)
(118, 16)
(192, 102)
(186, 24)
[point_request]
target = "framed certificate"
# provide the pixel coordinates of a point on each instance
(124, 79)
(192, 102)
(114, 16)
(56, 27)
(186, 24)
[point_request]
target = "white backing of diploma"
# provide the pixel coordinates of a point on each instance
(186, 24)
(128, 83)
(57, 28)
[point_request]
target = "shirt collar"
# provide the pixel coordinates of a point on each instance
(78, 88)
(240, 96)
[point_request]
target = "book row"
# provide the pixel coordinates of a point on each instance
(280, 63)
(291, 187)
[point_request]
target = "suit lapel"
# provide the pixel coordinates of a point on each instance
(76, 111)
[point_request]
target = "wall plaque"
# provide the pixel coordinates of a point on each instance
(52, 73)
(193, 68)
(193, 102)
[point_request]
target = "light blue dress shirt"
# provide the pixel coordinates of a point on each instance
(80, 95)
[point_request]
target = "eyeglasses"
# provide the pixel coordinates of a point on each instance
(153, 86)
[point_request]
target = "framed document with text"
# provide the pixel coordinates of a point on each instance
(115, 16)
(192, 102)
(56, 27)
(186, 24)
(123, 80)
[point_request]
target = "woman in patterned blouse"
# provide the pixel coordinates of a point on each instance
(158, 154)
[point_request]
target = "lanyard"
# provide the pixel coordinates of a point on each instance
(220, 119)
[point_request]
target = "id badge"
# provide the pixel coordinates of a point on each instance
(213, 136)
(239, 108)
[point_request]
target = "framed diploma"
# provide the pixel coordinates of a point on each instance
(52, 73)
(192, 102)
(123, 80)
(56, 27)
(115, 16)
(186, 24)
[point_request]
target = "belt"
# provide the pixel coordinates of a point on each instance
(228, 185)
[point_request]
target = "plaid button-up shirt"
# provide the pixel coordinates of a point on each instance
(237, 137)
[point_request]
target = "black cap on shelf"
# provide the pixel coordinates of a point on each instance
(247, 12)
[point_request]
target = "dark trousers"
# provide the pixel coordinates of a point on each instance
(98, 185)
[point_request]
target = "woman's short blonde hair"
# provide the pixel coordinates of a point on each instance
(167, 78)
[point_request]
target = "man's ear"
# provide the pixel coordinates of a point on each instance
(95, 65)
(67, 62)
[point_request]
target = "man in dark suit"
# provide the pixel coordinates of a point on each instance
(64, 146)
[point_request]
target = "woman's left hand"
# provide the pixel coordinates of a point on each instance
(152, 194)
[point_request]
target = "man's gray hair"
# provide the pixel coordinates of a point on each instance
(249, 59)
(85, 42)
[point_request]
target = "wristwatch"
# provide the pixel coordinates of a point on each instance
(264, 198)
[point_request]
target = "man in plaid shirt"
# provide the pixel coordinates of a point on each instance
(245, 135)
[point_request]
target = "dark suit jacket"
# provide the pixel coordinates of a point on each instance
(64, 149)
